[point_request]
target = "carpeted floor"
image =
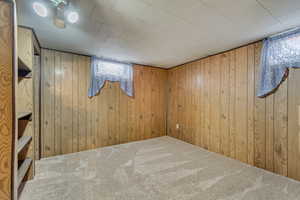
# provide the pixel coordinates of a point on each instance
(156, 169)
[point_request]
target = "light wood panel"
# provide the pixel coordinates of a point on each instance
(294, 125)
(36, 105)
(6, 97)
(214, 104)
(72, 122)
(25, 97)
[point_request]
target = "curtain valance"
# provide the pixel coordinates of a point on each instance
(279, 53)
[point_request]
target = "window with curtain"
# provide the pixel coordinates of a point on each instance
(104, 70)
(279, 53)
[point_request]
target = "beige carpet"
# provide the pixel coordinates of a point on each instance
(157, 169)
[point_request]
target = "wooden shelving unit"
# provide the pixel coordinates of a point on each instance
(23, 169)
(26, 101)
(23, 70)
(25, 116)
(23, 142)
(7, 82)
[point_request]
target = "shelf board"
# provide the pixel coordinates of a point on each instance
(25, 116)
(23, 69)
(22, 171)
(29, 75)
(22, 142)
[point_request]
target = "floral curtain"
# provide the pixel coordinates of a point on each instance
(279, 53)
(104, 70)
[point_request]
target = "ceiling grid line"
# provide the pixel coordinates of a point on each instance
(269, 11)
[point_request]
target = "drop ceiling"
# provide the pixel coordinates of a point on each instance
(162, 33)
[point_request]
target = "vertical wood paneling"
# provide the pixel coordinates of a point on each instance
(124, 114)
(73, 122)
(270, 132)
(294, 124)
(215, 104)
(180, 102)
(232, 114)
(241, 104)
(172, 106)
(250, 104)
(163, 98)
(57, 105)
(67, 103)
(116, 125)
(175, 115)
(263, 132)
(36, 105)
(224, 104)
(189, 109)
(195, 103)
(75, 101)
(280, 129)
(259, 118)
(147, 101)
(48, 104)
(206, 99)
(82, 103)
(160, 115)
(89, 113)
(103, 108)
(200, 74)
(139, 128)
(154, 111)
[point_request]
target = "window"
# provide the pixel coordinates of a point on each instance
(103, 70)
(110, 69)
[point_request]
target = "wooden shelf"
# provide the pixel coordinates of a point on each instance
(25, 116)
(27, 102)
(29, 75)
(23, 70)
(22, 142)
(22, 171)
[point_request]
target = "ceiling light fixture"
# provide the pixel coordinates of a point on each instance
(59, 17)
(63, 11)
(73, 17)
(40, 9)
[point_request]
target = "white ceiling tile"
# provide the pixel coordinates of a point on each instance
(281, 8)
(162, 33)
(246, 14)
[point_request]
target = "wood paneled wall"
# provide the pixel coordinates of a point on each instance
(6, 97)
(36, 105)
(72, 122)
(213, 101)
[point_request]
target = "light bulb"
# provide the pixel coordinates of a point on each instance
(40, 9)
(73, 17)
